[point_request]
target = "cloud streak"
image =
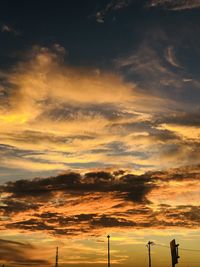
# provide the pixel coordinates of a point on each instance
(176, 5)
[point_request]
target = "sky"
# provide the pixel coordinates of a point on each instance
(99, 132)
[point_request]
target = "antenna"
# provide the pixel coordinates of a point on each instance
(56, 265)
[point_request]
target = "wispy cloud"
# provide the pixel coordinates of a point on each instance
(7, 28)
(113, 5)
(170, 57)
(94, 120)
(81, 123)
(176, 4)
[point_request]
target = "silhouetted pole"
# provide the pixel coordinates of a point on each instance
(108, 250)
(56, 265)
(149, 251)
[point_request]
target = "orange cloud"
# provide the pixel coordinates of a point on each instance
(62, 115)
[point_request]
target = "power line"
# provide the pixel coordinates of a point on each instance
(186, 249)
(160, 245)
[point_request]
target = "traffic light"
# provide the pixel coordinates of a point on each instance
(174, 252)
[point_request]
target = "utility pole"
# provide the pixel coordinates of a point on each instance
(149, 251)
(108, 250)
(56, 265)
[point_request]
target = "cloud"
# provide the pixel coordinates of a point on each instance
(112, 6)
(132, 187)
(55, 117)
(106, 221)
(157, 66)
(8, 29)
(147, 66)
(176, 4)
(10, 206)
(170, 57)
(74, 199)
(46, 66)
(181, 118)
(59, 117)
(82, 204)
(19, 254)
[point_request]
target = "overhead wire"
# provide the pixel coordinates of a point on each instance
(180, 248)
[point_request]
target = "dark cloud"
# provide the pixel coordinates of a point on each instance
(15, 206)
(62, 192)
(150, 127)
(136, 186)
(40, 186)
(98, 177)
(17, 254)
(182, 215)
(106, 221)
(31, 225)
(69, 112)
(187, 173)
(131, 186)
(181, 118)
(166, 216)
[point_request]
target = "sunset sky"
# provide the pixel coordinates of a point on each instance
(99, 132)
